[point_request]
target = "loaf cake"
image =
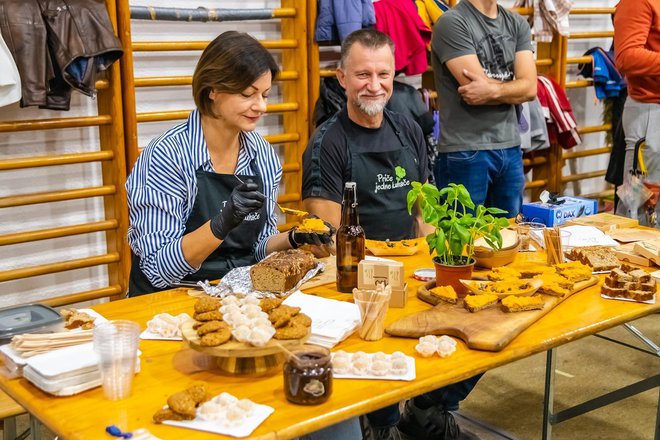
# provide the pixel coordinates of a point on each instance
(629, 282)
(474, 303)
(445, 293)
(522, 303)
(282, 271)
(600, 258)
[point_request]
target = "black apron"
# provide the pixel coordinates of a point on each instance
(213, 190)
(383, 181)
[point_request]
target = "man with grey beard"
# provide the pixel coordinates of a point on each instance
(380, 150)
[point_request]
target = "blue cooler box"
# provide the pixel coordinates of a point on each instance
(553, 215)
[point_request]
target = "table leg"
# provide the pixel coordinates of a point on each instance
(548, 395)
(35, 428)
(657, 420)
(632, 329)
(9, 428)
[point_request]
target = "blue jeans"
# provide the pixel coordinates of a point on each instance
(447, 398)
(494, 178)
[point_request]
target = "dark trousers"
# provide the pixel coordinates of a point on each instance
(447, 398)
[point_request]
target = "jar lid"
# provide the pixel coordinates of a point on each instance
(425, 274)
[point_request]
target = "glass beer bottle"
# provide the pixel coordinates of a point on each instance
(350, 241)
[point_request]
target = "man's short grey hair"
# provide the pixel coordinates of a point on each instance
(369, 38)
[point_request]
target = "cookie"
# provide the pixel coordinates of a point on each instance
(207, 304)
(280, 316)
(301, 319)
(291, 331)
(198, 393)
(211, 326)
(268, 304)
(208, 316)
(182, 403)
(167, 414)
(216, 338)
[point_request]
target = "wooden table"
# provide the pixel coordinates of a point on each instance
(168, 367)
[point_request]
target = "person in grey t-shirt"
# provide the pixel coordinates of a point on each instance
(484, 65)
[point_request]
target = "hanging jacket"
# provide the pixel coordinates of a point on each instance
(400, 20)
(58, 45)
(608, 82)
(562, 128)
(430, 10)
(10, 80)
(548, 16)
(336, 19)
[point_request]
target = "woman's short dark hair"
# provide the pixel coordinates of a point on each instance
(230, 64)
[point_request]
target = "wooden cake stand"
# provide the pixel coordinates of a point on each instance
(241, 358)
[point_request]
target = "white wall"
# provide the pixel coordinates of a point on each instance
(152, 99)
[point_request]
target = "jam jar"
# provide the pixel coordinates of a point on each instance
(308, 375)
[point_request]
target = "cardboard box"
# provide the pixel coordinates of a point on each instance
(399, 297)
(371, 272)
(604, 221)
(553, 215)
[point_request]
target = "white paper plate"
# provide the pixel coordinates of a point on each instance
(651, 301)
(409, 376)
(259, 414)
(149, 335)
(19, 361)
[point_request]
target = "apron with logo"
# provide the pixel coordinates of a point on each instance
(213, 190)
(383, 181)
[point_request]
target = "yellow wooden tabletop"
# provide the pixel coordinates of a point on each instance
(168, 367)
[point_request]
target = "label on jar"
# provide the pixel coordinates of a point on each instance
(314, 387)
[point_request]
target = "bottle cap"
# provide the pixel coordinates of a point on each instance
(425, 274)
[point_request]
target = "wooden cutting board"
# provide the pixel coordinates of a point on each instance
(329, 274)
(489, 329)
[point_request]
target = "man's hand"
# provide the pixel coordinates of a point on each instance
(244, 199)
(479, 91)
(313, 238)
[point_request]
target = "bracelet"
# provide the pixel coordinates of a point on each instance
(292, 241)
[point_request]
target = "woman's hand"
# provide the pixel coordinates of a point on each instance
(313, 238)
(244, 199)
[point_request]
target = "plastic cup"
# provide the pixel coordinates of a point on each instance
(373, 305)
(556, 243)
(116, 343)
(529, 232)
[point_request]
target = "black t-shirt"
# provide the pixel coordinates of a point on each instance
(325, 178)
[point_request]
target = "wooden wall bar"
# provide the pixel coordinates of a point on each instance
(551, 60)
(111, 157)
(293, 80)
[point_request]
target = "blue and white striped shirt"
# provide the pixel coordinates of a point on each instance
(162, 188)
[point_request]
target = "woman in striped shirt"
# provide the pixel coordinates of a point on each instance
(201, 195)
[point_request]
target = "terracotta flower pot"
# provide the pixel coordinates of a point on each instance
(450, 275)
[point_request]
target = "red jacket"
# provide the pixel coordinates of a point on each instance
(400, 20)
(562, 128)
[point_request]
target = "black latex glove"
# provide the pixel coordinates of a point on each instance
(244, 199)
(313, 238)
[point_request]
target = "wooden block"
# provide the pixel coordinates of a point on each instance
(649, 249)
(604, 221)
(627, 253)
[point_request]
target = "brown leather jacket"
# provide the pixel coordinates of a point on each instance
(58, 45)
